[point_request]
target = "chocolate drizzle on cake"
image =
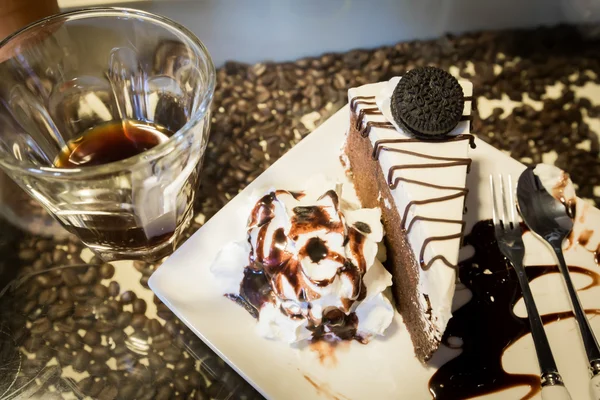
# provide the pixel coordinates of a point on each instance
(362, 100)
(487, 324)
(364, 127)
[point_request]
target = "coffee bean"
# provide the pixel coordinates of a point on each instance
(95, 388)
(160, 345)
(32, 367)
(117, 336)
(29, 306)
(32, 344)
(64, 356)
(212, 366)
(113, 289)
(27, 254)
(91, 338)
(123, 319)
(104, 311)
(154, 327)
(120, 350)
(141, 373)
(196, 380)
(164, 392)
(138, 321)
(94, 301)
(85, 384)
(164, 375)
(215, 390)
(100, 353)
(80, 292)
(184, 365)
(139, 265)
(139, 306)
(43, 245)
(163, 312)
(54, 338)
(75, 260)
(90, 276)
(70, 277)
(172, 354)
(98, 368)
(47, 297)
(84, 323)
(114, 378)
(68, 325)
(83, 311)
(148, 392)
(44, 281)
(40, 326)
(74, 341)
(201, 395)
(44, 353)
(155, 361)
(126, 361)
(64, 294)
(72, 248)
(39, 265)
(100, 291)
(58, 256)
(81, 360)
(60, 310)
(107, 271)
(115, 305)
(128, 297)
(144, 281)
(96, 260)
(108, 393)
(181, 385)
(128, 391)
(104, 326)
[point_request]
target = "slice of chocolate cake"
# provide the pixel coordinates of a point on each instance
(407, 152)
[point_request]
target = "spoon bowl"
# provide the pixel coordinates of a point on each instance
(543, 214)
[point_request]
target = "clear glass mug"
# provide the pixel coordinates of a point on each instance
(66, 74)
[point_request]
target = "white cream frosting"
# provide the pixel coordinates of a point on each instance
(556, 182)
(374, 312)
(438, 282)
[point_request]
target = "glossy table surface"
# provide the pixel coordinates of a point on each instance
(72, 326)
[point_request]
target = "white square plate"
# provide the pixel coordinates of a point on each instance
(386, 368)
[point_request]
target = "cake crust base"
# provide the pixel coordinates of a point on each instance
(373, 191)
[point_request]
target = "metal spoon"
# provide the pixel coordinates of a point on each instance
(548, 217)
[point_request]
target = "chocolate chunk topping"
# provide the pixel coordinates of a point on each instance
(427, 102)
(361, 226)
(316, 249)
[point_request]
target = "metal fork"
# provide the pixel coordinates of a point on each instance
(509, 236)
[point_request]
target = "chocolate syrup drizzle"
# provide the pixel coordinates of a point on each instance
(265, 276)
(487, 324)
(364, 126)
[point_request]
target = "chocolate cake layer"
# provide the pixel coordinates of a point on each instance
(373, 191)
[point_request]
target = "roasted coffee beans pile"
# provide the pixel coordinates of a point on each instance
(69, 329)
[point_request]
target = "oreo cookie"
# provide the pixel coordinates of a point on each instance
(428, 102)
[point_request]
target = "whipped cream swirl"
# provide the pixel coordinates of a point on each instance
(308, 268)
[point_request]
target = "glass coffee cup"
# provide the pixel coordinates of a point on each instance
(104, 120)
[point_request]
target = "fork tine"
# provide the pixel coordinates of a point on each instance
(504, 220)
(494, 204)
(513, 204)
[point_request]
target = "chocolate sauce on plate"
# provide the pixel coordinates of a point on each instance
(487, 324)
